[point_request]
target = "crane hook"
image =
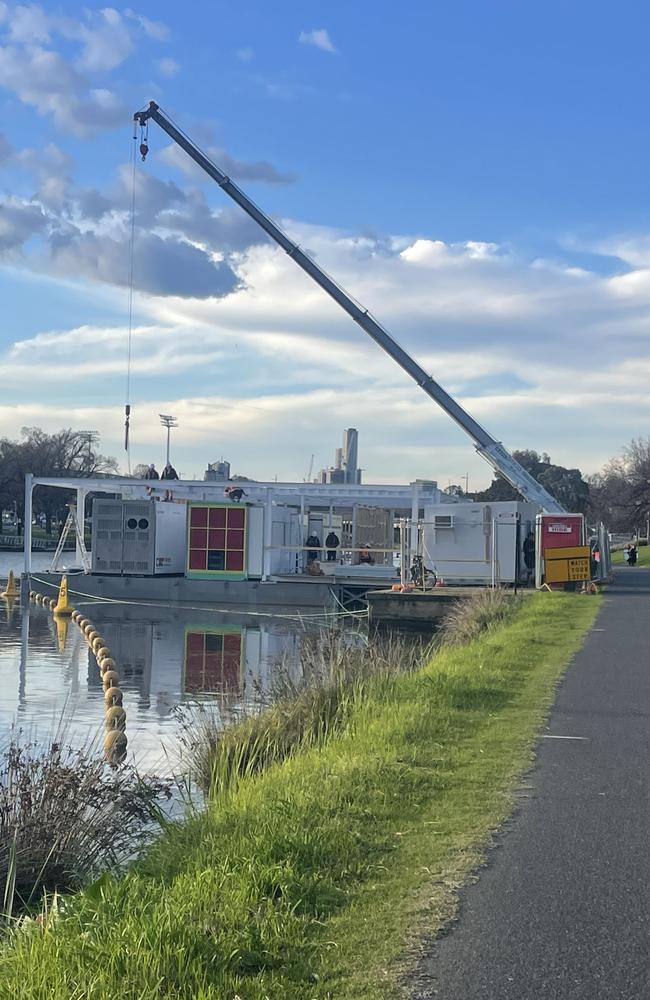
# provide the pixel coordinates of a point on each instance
(144, 149)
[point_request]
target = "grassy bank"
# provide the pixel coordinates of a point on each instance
(311, 878)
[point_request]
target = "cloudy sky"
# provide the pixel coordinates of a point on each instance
(474, 173)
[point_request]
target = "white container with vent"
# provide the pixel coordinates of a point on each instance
(477, 543)
(138, 537)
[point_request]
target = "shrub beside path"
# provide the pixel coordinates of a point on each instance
(562, 910)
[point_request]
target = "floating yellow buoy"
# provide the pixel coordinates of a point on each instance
(115, 717)
(113, 696)
(107, 663)
(115, 741)
(82, 622)
(92, 634)
(63, 606)
(110, 679)
(102, 653)
(97, 643)
(11, 589)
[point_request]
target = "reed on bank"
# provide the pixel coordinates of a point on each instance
(66, 816)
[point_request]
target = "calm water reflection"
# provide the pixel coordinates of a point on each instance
(165, 657)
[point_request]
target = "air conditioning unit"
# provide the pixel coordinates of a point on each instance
(138, 537)
(443, 521)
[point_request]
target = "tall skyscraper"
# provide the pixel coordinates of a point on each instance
(350, 454)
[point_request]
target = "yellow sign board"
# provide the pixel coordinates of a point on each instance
(567, 565)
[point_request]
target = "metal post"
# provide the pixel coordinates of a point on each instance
(354, 554)
(268, 534)
(81, 518)
(27, 528)
(415, 514)
(538, 551)
(403, 551)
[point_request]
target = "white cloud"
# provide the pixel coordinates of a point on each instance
(29, 25)
(245, 54)
(318, 37)
(156, 30)
(32, 67)
(168, 67)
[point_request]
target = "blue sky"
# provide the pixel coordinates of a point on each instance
(476, 173)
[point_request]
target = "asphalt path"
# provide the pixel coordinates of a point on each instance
(562, 910)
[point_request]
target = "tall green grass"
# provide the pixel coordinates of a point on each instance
(311, 878)
(298, 715)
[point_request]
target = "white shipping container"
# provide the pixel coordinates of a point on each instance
(477, 542)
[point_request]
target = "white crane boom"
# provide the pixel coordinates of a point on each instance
(488, 447)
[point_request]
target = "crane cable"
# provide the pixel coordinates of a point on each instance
(127, 405)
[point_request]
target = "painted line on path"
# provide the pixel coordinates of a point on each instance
(550, 736)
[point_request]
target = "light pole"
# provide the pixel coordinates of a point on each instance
(91, 438)
(168, 422)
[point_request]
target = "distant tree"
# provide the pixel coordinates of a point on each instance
(65, 453)
(566, 485)
(621, 492)
(140, 471)
(453, 490)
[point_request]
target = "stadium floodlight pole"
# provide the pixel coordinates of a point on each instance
(168, 421)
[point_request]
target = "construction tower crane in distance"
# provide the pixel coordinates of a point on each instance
(488, 447)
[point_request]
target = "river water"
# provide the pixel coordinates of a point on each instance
(166, 656)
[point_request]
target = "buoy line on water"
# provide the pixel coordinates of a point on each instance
(115, 740)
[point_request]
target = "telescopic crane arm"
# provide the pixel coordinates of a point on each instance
(490, 449)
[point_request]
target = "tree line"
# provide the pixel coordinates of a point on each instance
(619, 495)
(64, 453)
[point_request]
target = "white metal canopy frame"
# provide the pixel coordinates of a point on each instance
(401, 501)
(487, 446)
